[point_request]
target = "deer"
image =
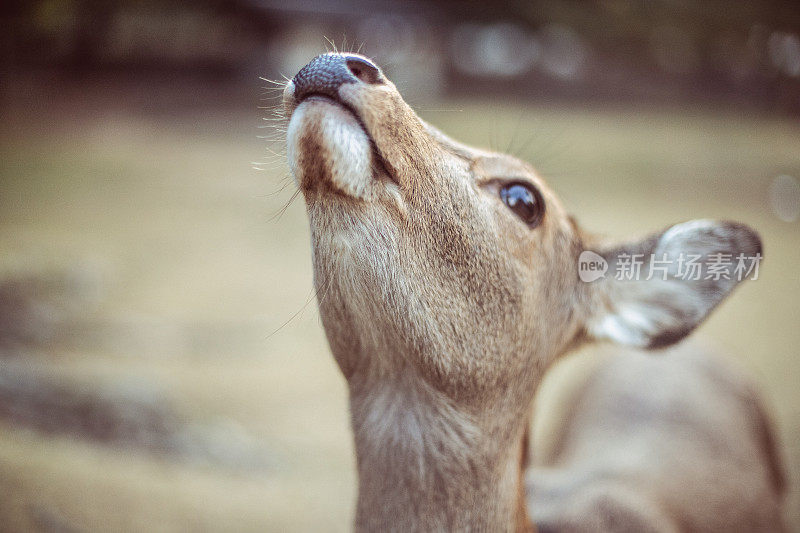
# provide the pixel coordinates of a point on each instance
(447, 284)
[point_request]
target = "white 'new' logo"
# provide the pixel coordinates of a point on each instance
(591, 266)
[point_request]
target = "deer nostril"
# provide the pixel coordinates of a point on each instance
(364, 70)
(325, 74)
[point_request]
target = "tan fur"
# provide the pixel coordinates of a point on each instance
(676, 442)
(442, 308)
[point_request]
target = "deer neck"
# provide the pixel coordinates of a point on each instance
(426, 465)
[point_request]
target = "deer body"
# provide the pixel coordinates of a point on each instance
(677, 442)
(447, 285)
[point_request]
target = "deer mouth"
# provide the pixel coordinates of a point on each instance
(329, 143)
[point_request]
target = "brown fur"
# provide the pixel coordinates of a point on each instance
(677, 442)
(440, 306)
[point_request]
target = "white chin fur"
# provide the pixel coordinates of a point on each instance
(325, 141)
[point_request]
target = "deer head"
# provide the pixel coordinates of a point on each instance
(447, 281)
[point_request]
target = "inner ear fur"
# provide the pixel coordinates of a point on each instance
(662, 310)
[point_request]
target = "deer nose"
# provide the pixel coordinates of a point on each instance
(326, 73)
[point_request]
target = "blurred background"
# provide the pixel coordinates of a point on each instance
(162, 364)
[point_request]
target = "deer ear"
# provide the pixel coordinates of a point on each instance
(654, 292)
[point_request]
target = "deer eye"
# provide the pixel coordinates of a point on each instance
(524, 200)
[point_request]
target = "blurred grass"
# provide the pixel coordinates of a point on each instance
(185, 285)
